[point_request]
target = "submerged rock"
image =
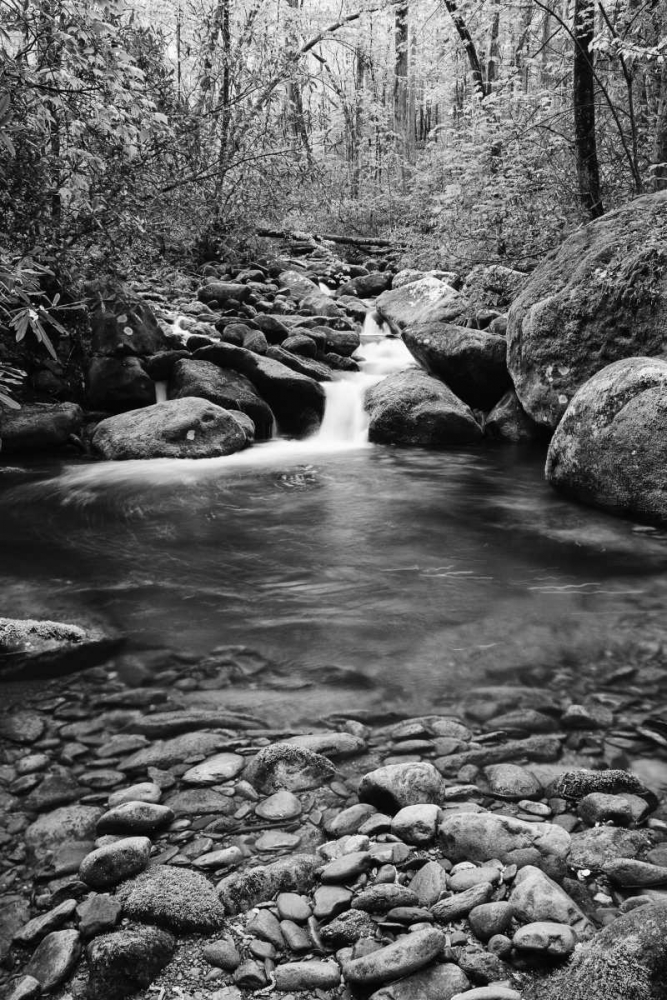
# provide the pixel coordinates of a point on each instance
(177, 428)
(413, 408)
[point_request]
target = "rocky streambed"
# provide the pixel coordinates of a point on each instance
(501, 849)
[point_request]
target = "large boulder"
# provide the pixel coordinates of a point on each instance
(508, 421)
(121, 322)
(305, 366)
(367, 286)
(610, 449)
(428, 300)
(296, 400)
(412, 408)
(600, 297)
(471, 362)
(39, 426)
(627, 960)
(223, 387)
(177, 428)
(491, 286)
(117, 384)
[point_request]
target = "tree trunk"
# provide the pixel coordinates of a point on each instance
(493, 58)
(404, 115)
(471, 50)
(583, 101)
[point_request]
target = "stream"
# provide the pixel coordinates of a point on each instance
(377, 575)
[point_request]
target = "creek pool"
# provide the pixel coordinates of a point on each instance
(402, 575)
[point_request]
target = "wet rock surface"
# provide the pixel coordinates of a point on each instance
(205, 851)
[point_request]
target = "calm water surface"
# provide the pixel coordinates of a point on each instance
(417, 572)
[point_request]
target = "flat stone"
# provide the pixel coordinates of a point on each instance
(630, 873)
(68, 825)
(56, 789)
(439, 982)
(347, 868)
(98, 914)
(384, 897)
(330, 900)
(277, 840)
(145, 791)
(54, 959)
(483, 836)
(40, 926)
(107, 866)
(223, 954)
(135, 817)
(266, 926)
(404, 956)
(330, 744)
(546, 937)
(349, 820)
(200, 802)
(459, 881)
(174, 898)
(226, 857)
(164, 753)
(282, 805)
(21, 726)
(216, 770)
(123, 962)
(292, 906)
(301, 976)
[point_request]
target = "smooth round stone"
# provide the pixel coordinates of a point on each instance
(466, 879)
(301, 976)
(394, 786)
(292, 906)
(490, 919)
(282, 805)
(405, 955)
(101, 779)
(417, 824)
(438, 982)
(556, 940)
(296, 936)
(266, 926)
(32, 763)
(107, 866)
(346, 869)
(54, 959)
(330, 900)
(227, 857)
(276, 840)
(622, 810)
(221, 767)
(145, 791)
(351, 819)
(27, 988)
(223, 954)
(509, 781)
(135, 817)
(540, 809)
(429, 883)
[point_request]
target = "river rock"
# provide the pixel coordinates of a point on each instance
(395, 786)
(135, 817)
(122, 323)
(330, 744)
(117, 385)
(164, 753)
(347, 868)
(282, 805)
(471, 362)
(416, 824)
(610, 444)
(491, 286)
(382, 897)
(367, 286)
(509, 781)
(98, 914)
(227, 389)
(508, 421)
(412, 408)
(429, 883)
(27, 988)
(426, 300)
(301, 344)
(630, 873)
(347, 929)
(627, 960)
(222, 767)
(223, 953)
(296, 401)
(56, 789)
(350, 820)
(536, 897)
(582, 781)
(70, 825)
(40, 926)
(107, 866)
(299, 284)
(159, 724)
(482, 836)
(39, 426)
(175, 898)
(21, 725)
(200, 802)
(404, 956)
(123, 962)
(546, 938)
(439, 982)
(54, 959)
(177, 428)
(284, 765)
(301, 976)
(304, 366)
(330, 900)
(600, 297)
(243, 890)
(595, 847)
(488, 919)
(223, 293)
(461, 903)
(145, 791)
(622, 810)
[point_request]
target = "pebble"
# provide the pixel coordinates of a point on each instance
(460, 904)
(331, 900)
(417, 824)
(282, 805)
(536, 897)
(227, 857)
(489, 919)
(301, 976)
(347, 868)
(384, 897)
(509, 781)
(97, 914)
(145, 791)
(223, 954)
(40, 926)
(292, 906)
(107, 866)
(429, 883)
(54, 959)
(135, 817)
(221, 767)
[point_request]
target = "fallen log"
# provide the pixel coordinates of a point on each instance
(356, 241)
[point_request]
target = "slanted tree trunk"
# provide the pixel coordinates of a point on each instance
(471, 50)
(583, 102)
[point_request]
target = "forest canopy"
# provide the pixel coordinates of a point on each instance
(479, 130)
